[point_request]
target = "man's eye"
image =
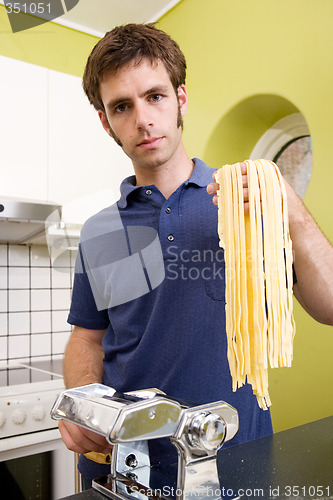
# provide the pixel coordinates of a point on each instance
(155, 97)
(121, 108)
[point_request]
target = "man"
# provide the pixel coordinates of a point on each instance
(170, 335)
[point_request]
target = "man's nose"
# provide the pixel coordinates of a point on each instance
(143, 118)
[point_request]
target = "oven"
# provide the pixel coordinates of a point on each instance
(34, 462)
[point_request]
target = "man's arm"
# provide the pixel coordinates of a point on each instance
(313, 261)
(83, 360)
(83, 364)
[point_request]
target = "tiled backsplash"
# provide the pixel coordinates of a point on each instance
(34, 302)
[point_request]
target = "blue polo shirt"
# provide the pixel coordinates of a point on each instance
(166, 328)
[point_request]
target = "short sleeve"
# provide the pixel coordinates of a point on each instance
(83, 311)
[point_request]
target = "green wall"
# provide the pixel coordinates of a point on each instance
(49, 45)
(251, 63)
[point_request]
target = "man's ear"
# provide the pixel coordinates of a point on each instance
(182, 98)
(104, 121)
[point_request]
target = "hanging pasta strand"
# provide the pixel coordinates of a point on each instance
(258, 262)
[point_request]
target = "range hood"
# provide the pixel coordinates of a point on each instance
(58, 227)
(26, 221)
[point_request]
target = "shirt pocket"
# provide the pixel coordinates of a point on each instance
(215, 286)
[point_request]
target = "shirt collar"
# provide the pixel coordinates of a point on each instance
(126, 188)
(201, 176)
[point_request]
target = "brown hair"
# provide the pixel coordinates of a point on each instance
(128, 43)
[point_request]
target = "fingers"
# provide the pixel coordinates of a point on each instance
(243, 168)
(213, 187)
(68, 439)
(81, 440)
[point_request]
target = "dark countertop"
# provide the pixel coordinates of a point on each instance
(296, 464)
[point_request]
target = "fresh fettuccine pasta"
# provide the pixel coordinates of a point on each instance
(258, 262)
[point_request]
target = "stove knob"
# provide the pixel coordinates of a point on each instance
(2, 419)
(19, 416)
(38, 413)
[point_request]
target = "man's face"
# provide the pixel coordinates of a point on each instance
(143, 113)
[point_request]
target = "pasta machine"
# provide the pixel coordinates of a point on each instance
(132, 421)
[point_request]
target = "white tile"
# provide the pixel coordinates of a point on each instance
(18, 300)
(40, 344)
(73, 257)
(18, 277)
(3, 255)
(41, 322)
(3, 301)
(21, 359)
(59, 342)
(60, 279)
(60, 258)
(3, 277)
(60, 299)
(3, 324)
(72, 277)
(3, 348)
(46, 357)
(18, 323)
(59, 321)
(40, 300)
(40, 277)
(40, 256)
(19, 346)
(18, 255)
(60, 356)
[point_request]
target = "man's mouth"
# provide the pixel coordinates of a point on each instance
(151, 143)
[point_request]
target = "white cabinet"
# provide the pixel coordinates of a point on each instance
(52, 145)
(23, 130)
(83, 158)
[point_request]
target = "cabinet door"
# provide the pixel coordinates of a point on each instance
(83, 158)
(23, 129)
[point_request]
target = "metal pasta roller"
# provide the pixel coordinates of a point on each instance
(132, 421)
